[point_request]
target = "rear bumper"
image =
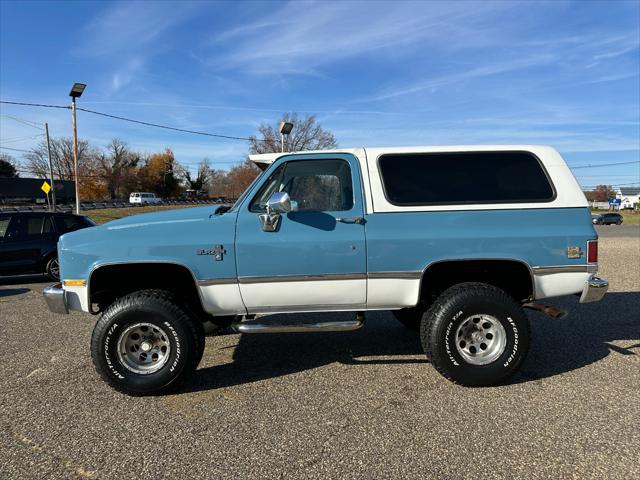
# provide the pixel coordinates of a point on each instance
(594, 290)
(56, 298)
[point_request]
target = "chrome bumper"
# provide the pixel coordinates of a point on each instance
(56, 299)
(594, 290)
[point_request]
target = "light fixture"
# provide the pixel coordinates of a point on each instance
(77, 89)
(286, 127)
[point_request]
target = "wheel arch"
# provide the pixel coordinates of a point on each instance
(439, 275)
(175, 277)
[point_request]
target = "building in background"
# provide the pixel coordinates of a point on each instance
(629, 197)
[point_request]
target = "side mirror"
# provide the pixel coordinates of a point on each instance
(277, 204)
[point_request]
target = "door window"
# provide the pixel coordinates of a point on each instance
(315, 185)
(35, 225)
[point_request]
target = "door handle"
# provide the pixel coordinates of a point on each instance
(358, 220)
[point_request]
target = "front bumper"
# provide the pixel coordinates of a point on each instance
(56, 298)
(594, 290)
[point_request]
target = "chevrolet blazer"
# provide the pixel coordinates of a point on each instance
(456, 241)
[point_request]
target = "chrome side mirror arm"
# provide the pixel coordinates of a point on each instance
(278, 203)
(269, 221)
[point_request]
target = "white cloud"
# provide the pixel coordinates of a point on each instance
(303, 36)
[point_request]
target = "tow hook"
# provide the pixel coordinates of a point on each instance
(551, 311)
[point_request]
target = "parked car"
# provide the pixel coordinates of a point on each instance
(607, 219)
(28, 241)
(455, 240)
(144, 197)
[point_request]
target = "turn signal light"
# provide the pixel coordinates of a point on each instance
(592, 251)
(74, 283)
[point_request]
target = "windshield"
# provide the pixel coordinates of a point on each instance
(244, 194)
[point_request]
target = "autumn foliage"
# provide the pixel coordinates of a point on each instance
(115, 171)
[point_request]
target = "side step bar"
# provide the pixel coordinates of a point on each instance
(342, 326)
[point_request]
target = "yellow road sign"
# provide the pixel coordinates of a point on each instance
(46, 188)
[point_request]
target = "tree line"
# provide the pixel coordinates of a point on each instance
(115, 170)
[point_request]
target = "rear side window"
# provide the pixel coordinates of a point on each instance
(4, 225)
(464, 178)
(71, 223)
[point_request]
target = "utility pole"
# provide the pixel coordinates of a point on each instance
(76, 91)
(53, 187)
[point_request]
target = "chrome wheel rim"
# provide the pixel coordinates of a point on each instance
(143, 348)
(480, 339)
(54, 268)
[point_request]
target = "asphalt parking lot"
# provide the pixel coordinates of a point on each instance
(362, 404)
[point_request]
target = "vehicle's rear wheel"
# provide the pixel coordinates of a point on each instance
(475, 334)
(53, 269)
(619, 222)
(145, 343)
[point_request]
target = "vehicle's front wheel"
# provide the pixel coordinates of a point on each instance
(475, 334)
(144, 343)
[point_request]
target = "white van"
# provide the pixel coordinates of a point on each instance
(143, 197)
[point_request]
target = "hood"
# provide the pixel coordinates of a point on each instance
(171, 236)
(162, 217)
(145, 227)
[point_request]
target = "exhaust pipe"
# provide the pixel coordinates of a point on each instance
(551, 311)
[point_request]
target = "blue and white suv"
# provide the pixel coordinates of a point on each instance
(455, 240)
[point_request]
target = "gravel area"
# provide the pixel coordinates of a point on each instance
(362, 404)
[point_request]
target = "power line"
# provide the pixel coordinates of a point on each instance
(24, 104)
(604, 165)
(184, 130)
(140, 122)
(22, 120)
(21, 139)
(16, 149)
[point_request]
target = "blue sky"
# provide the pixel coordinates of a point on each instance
(402, 73)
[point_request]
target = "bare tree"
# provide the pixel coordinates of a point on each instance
(116, 166)
(61, 158)
(307, 134)
(202, 180)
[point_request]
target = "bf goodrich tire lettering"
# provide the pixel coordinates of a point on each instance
(150, 320)
(475, 335)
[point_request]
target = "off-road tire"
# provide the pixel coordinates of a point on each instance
(410, 317)
(53, 268)
(457, 304)
(155, 307)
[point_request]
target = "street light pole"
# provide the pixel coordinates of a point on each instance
(53, 186)
(76, 91)
(75, 154)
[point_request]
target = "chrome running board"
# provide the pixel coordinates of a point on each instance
(343, 326)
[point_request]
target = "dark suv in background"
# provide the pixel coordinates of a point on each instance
(607, 219)
(28, 241)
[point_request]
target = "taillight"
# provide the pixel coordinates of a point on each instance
(592, 251)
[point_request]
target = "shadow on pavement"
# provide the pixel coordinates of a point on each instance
(9, 292)
(584, 337)
(24, 279)
(262, 356)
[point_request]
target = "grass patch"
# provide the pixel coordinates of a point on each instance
(108, 214)
(629, 216)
